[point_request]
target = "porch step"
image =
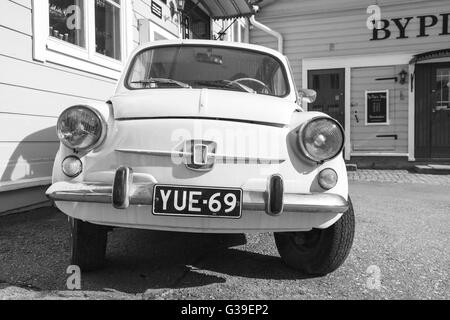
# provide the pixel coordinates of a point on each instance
(432, 169)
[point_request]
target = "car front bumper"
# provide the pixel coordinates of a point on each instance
(124, 192)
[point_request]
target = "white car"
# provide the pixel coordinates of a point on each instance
(206, 137)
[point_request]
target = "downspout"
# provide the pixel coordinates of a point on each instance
(266, 29)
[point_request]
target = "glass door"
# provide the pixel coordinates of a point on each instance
(440, 112)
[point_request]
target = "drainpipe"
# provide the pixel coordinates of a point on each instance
(266, 29)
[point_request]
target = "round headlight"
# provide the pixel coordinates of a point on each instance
(321, 139)
(72, 166)
(328, 179)
(81, 128)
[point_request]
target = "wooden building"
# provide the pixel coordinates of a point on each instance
(382, 68)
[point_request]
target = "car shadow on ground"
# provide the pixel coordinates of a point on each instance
(34, 253)
(141, 260)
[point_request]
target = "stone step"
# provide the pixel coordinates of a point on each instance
(432, 169)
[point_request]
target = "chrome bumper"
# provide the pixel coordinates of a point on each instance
(124, 193)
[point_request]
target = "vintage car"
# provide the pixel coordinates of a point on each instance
(206, 137)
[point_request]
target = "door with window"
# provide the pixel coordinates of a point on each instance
(196, 24)
(330, 87)
(433, 111)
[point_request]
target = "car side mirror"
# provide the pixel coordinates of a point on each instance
(307, 95)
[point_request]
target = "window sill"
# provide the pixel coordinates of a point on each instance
(68, 55)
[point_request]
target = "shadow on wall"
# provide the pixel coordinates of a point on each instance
(33, 157)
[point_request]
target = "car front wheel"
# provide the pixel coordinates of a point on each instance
(318, 252)
(88, 245)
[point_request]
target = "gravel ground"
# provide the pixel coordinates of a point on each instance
(403, 232)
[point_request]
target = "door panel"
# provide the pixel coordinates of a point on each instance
(330, 87)
(440, 113)
(432, 118)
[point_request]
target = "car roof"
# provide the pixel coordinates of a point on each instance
(209, 43)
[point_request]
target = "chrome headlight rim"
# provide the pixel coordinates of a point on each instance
(301, 139)
(104, 128)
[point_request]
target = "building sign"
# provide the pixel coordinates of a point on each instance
(407, 27)
(156, 9)
(377, 107)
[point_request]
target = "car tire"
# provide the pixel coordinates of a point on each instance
(88, 245)
(318, 252)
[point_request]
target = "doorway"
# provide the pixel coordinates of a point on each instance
(330, 87)
(432, 130)
(195, 24)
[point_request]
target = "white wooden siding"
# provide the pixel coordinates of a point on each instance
(329, 28)
(364, 137)
(142, 10)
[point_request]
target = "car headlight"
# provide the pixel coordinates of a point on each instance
(321, 139)
(81, 128)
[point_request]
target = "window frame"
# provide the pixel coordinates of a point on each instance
(388, 108)
(47, 48)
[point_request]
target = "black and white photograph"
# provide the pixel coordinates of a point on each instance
(238, 152)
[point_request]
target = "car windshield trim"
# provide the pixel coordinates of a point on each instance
(285, 74)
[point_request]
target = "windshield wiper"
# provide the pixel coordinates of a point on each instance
(162, 81)
(226, 84)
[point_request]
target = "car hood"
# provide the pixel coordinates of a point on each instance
(203, 103)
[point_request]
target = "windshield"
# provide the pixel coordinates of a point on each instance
(194, 66)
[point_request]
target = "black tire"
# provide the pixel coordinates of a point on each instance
(88, 245)
(318, 252)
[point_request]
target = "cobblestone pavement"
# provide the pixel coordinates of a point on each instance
(399, 176)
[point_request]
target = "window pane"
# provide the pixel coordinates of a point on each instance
(443, 88)
(107, 28)
(67, 21)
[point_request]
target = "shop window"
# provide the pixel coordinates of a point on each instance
(443, 86)
(89, 35)
(67, 23)
(107, 28)
(66, 20)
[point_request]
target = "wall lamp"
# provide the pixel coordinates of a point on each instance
(403, 76)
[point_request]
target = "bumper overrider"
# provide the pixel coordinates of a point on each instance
(125, 193)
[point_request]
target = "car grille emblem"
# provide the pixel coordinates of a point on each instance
(200, 155)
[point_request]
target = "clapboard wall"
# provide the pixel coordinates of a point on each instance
(330, 28)
(379, 138)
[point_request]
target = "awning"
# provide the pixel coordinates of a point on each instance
(228, 9)
(444, 53)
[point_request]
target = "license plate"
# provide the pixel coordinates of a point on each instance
(197, 202)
